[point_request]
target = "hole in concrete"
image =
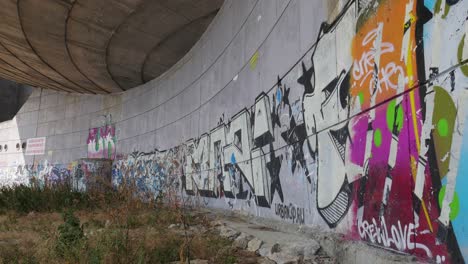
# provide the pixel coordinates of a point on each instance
(12, 97)
(23, 146)
(17, 146)
(5, 147)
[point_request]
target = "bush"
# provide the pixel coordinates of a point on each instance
(24, 199)
(167, 252)
(70, 236)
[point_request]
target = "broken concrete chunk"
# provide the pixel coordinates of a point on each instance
(268, 249)
(254, 245)
(242, 241)
(282, 258)
(228, 233)
(306, 248)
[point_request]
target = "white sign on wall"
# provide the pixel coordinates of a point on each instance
(35, 146)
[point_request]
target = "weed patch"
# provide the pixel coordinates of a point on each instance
(58, 225)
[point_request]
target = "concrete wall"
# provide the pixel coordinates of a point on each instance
(346, 115)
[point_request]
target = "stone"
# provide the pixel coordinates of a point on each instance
(266, 261)
(264, 251)
(306, 248)
(282, 258)
(172, 226)
(228, 233)
(275, 248)
(242, 241)
(254, 245)
(268, 249)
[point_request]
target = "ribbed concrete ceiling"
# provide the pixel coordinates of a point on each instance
(97, 46)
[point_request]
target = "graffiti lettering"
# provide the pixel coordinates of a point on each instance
(290, 212)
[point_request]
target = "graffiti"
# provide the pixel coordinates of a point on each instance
(401, 237)
(290, 212)
(363, 69)
(364, 135)
(368, 128)
(91, 175)
(326, 104)
(150, 172)
(80, 175)
(14, 175)
(102, 141)
(236, 151)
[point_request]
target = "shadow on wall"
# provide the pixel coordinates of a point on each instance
(12, 97)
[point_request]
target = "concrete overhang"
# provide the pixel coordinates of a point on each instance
(97, 46)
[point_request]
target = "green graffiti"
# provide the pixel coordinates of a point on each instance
(109, 150)
(377, 137)
(361, 98)
(444, 108)
(461, 46)
(454, 205)
(442, 127)
(438, 6)
(97, 139)
(394, 116)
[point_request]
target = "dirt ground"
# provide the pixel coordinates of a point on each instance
(116, 235)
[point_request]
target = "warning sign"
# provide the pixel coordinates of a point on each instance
(35, 146)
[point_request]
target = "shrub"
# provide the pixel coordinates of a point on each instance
(70, 236)
(24, 199)
(167, 252)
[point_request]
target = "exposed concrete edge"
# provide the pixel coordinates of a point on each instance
(333, 244)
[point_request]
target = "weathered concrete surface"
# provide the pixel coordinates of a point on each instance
(147, 29)
(348, 118)
(286, 243)
(97, 47)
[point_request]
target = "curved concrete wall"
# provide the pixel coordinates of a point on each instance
(346, 115)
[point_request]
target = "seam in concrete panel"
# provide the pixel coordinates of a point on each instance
(114, 32)
(36, 52)
(62, 88)
(69, 54)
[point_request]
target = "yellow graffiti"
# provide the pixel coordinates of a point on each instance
(253, 61)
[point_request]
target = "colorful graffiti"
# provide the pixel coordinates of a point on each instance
(370, 134)
(101, 142)
(365, 135)
(91, 175)
(149, 171)
(40, 174)
(81, 175)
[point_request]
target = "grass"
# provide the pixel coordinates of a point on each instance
(61, 226)
(24, 199)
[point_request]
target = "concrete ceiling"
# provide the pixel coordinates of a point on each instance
(97, 46)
